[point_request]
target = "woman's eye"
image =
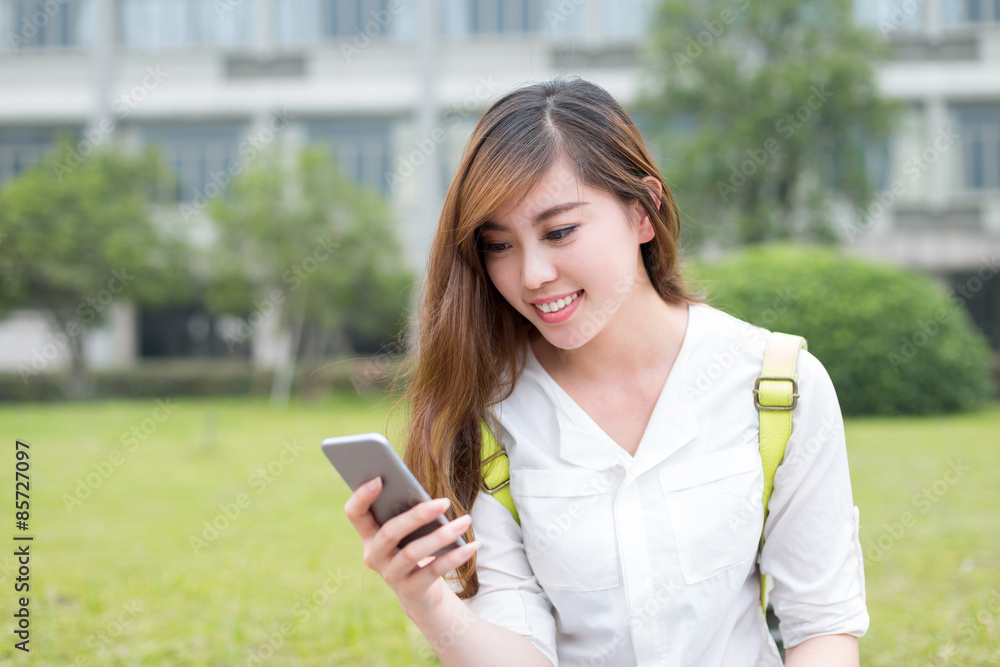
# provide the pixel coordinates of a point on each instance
(561, 233)
(494, 248)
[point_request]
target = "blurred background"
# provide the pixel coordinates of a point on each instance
(227, 204)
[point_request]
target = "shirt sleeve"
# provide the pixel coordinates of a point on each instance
(509, 595)
(811, 544)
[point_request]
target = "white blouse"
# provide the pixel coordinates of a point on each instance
(651, 560)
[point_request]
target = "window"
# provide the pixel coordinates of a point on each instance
(199, 154)
(362, 147)
(509, 16)
(299, 21)
(980, 129)
(20, 147)
(629, 19)
(888, 16)
(158, 24)
(36, 24)
(971, 11)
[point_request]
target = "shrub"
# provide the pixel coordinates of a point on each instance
(206, 377)
(893, 340)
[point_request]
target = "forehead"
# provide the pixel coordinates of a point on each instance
(558, 185)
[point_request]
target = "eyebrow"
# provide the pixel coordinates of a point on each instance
(551, 212)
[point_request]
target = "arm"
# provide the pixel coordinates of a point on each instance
(825, 651)
(457, 634)
(461, 638)
(811, 545)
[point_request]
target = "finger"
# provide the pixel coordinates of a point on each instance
(358, 505)
(442, 565)
(406, 559)
(395, 529)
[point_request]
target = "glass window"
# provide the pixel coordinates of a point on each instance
(970, 11)
(34, 24)
(629, 19)
(158, 24)
(362, 147)
(299, 21)
(20, 147)
(199, 154)
(887, 16)
(980, 130)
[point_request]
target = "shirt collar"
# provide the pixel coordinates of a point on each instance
(671, 426)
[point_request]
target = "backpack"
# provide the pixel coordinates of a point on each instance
(775, 395)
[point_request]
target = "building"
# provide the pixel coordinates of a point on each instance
(395, 86)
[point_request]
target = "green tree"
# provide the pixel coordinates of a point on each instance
(299, 241)
(76, 236)
(764, 113)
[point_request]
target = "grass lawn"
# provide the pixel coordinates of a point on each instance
(127, 568)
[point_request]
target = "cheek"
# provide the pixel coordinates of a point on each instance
(502, 276)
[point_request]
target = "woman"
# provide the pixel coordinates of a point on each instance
(554, 310)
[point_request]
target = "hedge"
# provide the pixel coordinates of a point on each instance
(894, 341)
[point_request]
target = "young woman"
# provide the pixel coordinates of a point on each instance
(554, 311)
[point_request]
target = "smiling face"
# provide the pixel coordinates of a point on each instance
(566, 256)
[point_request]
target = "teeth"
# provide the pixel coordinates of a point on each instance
(554, 306)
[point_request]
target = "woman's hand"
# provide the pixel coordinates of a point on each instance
(417, 582)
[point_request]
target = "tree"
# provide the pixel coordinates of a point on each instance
(301, 242)
(77, 234)
(766, 114)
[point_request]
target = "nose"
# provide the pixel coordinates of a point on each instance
(537, 269)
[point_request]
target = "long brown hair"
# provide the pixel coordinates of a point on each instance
(470, 343)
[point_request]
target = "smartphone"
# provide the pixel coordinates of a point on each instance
(363, 457)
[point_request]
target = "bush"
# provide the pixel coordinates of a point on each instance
(206, 377)
(893, 340)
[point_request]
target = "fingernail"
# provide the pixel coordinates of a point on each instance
(374, 484)
(472, 546)
(444, 503)
(463, 521)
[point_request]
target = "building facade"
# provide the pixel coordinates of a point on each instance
(395, 87)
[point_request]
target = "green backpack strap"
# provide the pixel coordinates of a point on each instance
(496, 471)
(775, 395)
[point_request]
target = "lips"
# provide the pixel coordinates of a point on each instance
(558, 309)
(556, 304)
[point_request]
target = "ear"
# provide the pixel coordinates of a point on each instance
(655, 189)
(646, 231)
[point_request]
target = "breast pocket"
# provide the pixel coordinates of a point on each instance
(716, 510)
(567, 519)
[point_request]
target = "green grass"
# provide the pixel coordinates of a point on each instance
(116, 581)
